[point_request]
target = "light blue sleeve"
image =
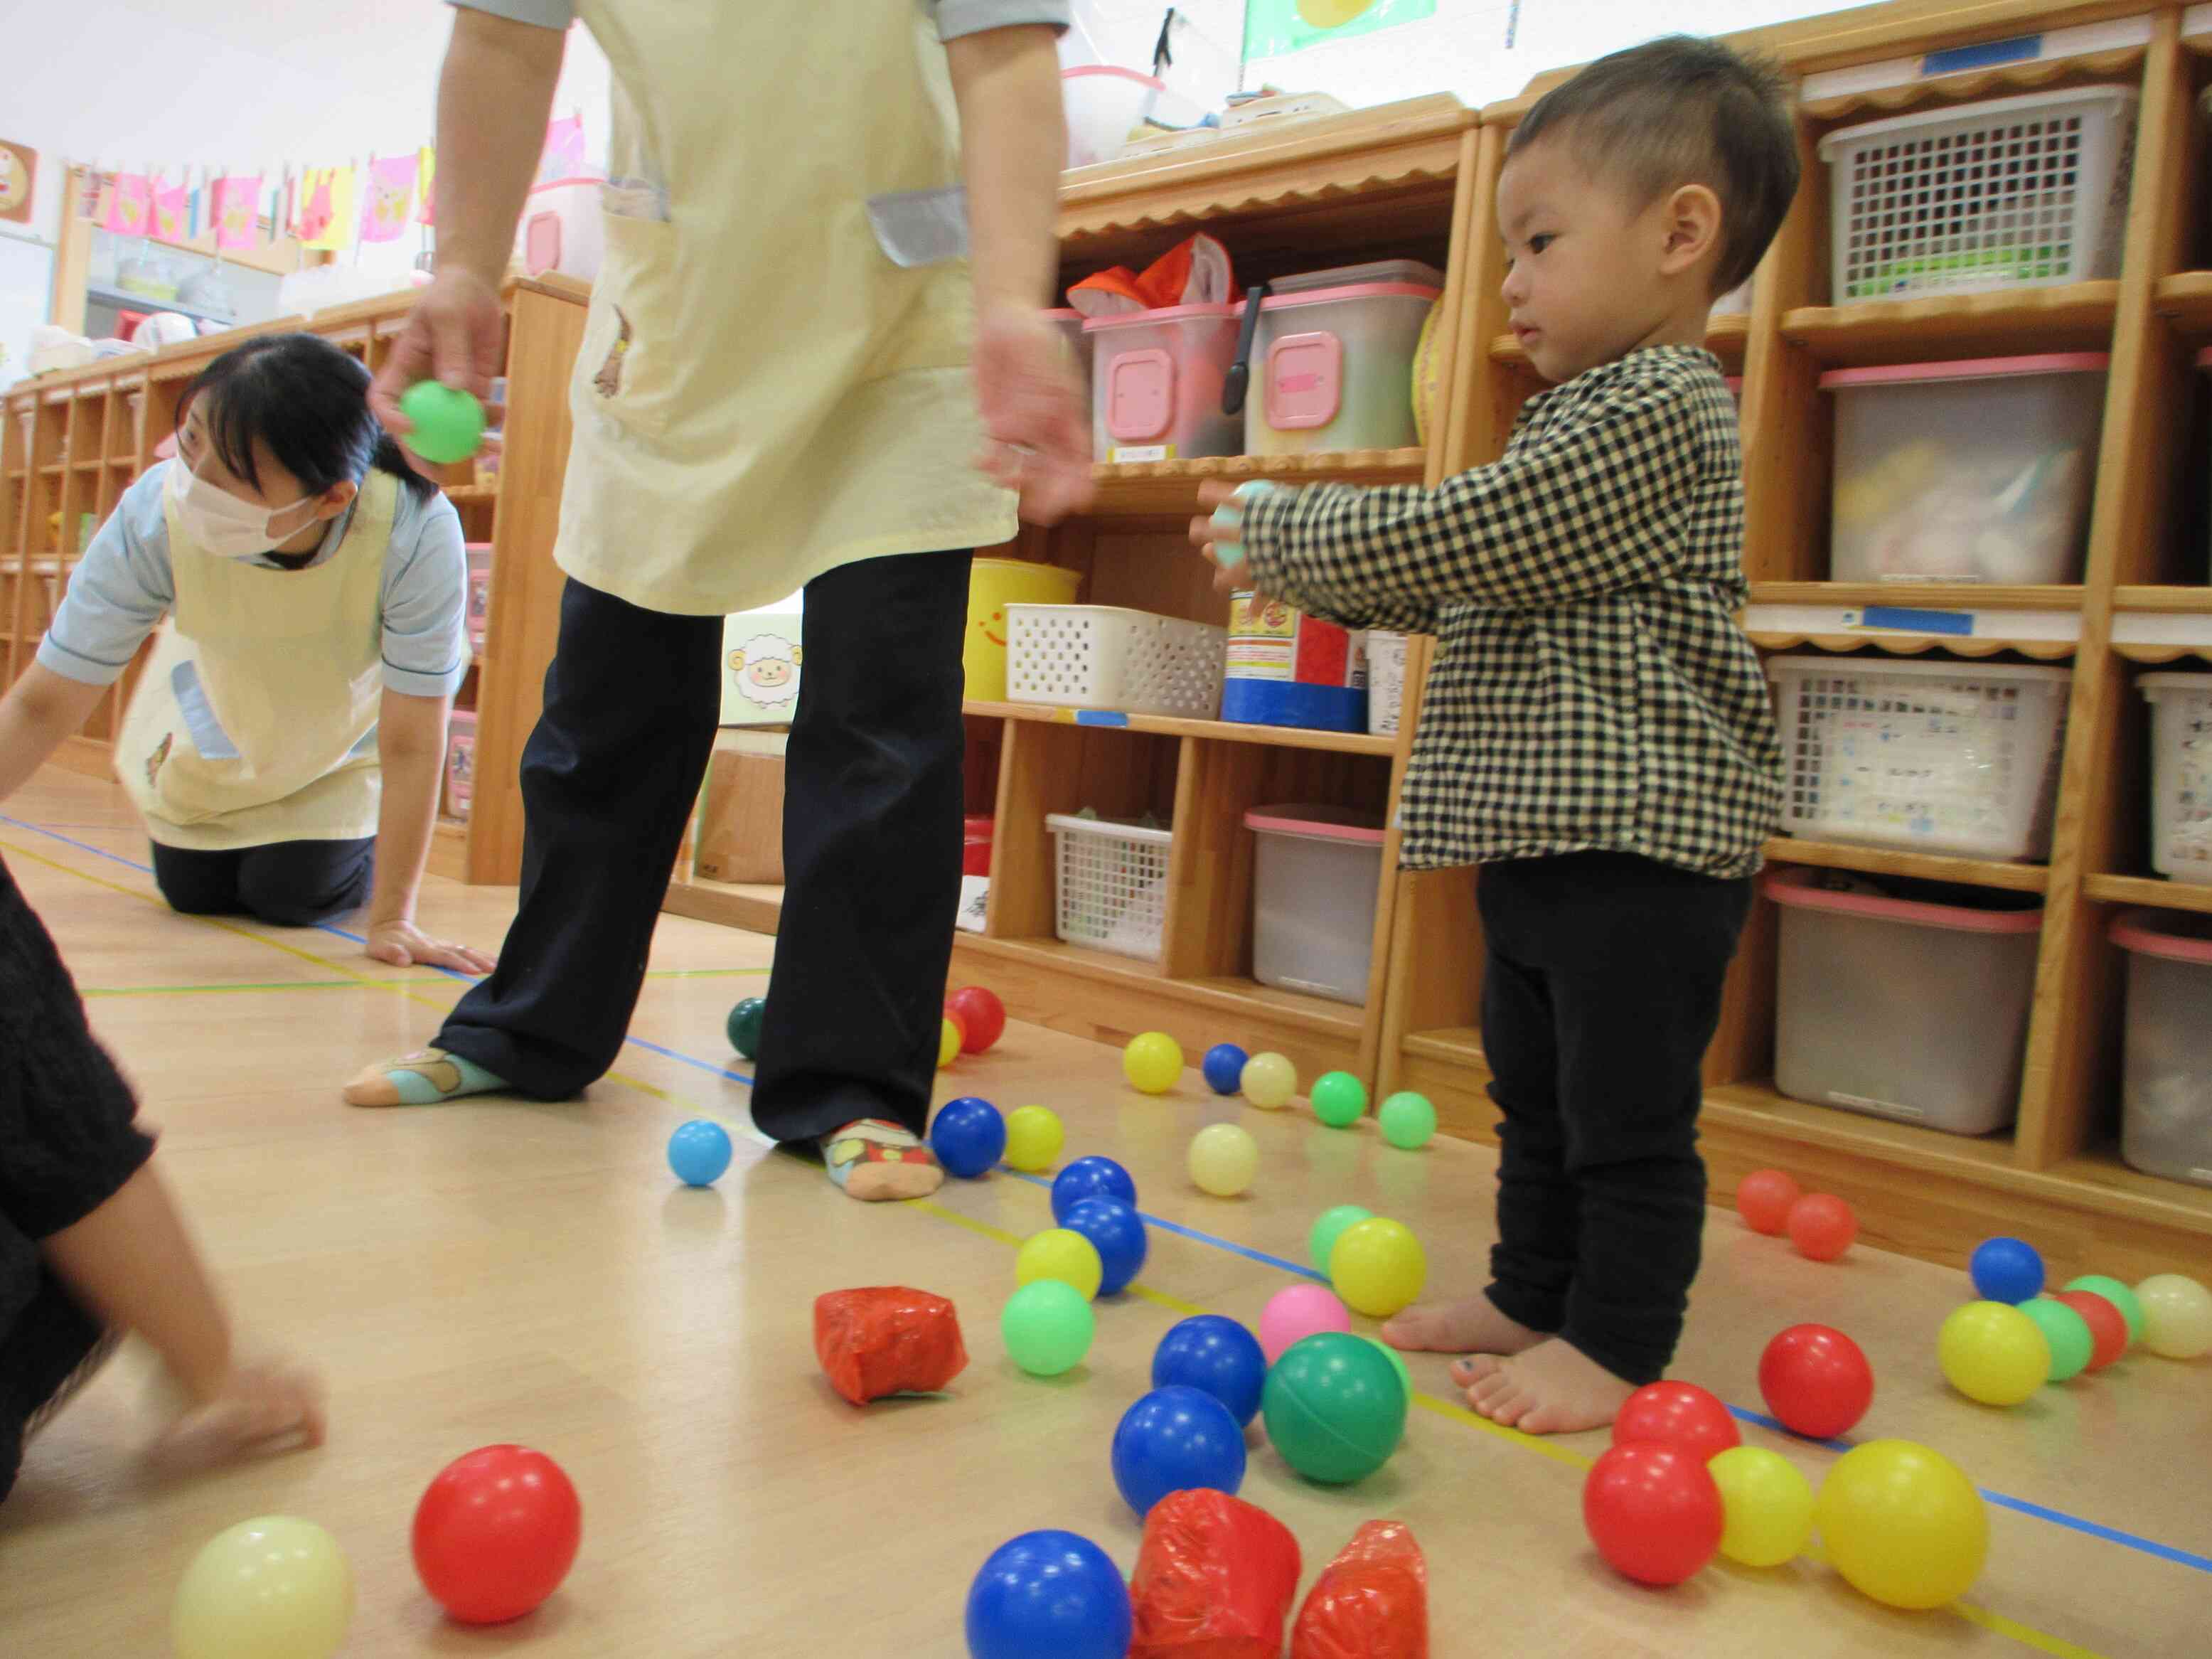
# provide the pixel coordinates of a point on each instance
(426, 593)
(117, 592)
(546, 14)
(955, 18)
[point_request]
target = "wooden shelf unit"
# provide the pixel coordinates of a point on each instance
(72, 443)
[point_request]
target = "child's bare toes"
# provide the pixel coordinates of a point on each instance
(259, 1407)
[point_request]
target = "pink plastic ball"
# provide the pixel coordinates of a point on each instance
(1294, 1314)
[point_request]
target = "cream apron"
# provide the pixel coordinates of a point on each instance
(252, 721)
(763, 394)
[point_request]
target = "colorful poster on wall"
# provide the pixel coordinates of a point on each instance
(19, 171)
(129, 205)
(389, 202)
(171, 203)
(326, 209)
(1274, 27)
(237, 205)
(427, 176)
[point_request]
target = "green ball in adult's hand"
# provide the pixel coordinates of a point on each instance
(744, 1026)
(448, 422)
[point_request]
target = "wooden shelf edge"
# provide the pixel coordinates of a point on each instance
(2174, 598)
(1942, 326)
(2184, 300)
(1923, 596)
(1126, 489)
(1924, 867)
(1912, 645)
(2152, 892)
(1287, 736)
(753, 909)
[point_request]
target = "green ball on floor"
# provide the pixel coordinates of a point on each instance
(744, 1026)
(1340, 1099)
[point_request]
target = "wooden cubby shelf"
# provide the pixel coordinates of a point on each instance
(1917, 866)
(2075, 316)
(2184, 300)
(2152, 892)
(1900, 644)
(1289, 737)
(1919, 596)
(1154, 489)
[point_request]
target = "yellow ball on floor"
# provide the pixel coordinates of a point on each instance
(276, 1588)
(948, 1045)
(2177, 1316)
(1063, 1254)
(1903, 1524)
(1269, 1081)
(1153, 1062)
(1224, 1158)
(1993, 1352)
(1768, 1504)
(1377, 1266)
(1034, 1138)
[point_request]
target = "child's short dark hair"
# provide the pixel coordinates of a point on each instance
(1684, 111)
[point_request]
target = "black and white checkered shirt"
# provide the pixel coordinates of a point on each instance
(1591, 690)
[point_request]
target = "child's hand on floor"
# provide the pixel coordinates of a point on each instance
(1221, 536)
(269, 1407)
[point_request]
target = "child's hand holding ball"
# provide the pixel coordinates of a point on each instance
(1221, 536)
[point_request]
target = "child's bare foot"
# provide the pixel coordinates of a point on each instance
(1553, 1389)
(1473, 1325)
(265, 1408)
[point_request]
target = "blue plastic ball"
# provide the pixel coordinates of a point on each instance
(1224, 1068)
(2006, 1270)
(1216, 1356)
(1117, 1232)
(698, 1151)
(1048, 1595)
(968, 1136)
(1176, 1439)
(1090, 1177)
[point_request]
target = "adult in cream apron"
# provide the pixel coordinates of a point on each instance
(764, 399)
(249, 727)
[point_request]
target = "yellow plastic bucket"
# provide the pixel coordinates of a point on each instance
(996, 584)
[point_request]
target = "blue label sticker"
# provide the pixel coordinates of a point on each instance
(1911, 621)
(2021, 49)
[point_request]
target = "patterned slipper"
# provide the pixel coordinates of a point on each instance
(874, 1160)
(420, 1079)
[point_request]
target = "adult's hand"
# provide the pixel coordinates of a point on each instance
(455, 334)
(1037, 432)
(402, 944)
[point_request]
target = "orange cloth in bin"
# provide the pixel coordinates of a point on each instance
(1215, 1579)
(885, 1340)
(1372, 1602)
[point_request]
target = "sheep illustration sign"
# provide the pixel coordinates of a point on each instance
(761, 668)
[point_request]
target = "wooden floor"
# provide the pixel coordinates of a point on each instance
(492, 1272)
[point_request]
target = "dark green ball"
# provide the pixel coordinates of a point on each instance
(744, 1026)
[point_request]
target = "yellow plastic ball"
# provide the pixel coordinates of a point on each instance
(948, 1045)
(274, 1588)
(1377, 1266)
(2177, 1316)
(1768, 1504)
(1034, 1138)
(1224, 1158)
(1903, 1524)
(1153, 1062)
(1062, 1254)
(1269, 1081)
(1993, 1352)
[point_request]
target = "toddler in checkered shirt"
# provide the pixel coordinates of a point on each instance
(1595, 732)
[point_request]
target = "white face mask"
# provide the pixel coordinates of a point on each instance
(216, 521)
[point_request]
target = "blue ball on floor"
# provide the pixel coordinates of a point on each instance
(968, 1136)
(698, 1151)
(1176, 1439)
(1090, 1177)
(1117, 1232)
(1217, 1356)
(1048, 1595)
(2006, 1270)
(1224, 1068)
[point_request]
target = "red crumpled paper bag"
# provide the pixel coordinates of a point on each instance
(887, 1339)
(1215, 1577)
(1372, 1602)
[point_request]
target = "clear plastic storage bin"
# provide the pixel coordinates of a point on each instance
(1333, 368)
(1099, 656)
(1313, 899)
(1904, 1007)
(1105, 104)
(1112, 884)
(1156, 380)
(563, 229)
(2016, 192)
(2180, 776)
(2165, 1084)
(1968, 471)
(1932, 756)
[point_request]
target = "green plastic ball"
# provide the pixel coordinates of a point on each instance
(1334, 1407)
(2066, 1331)
(1048, 1326)
(1407, 1120)
(1330, 1228)
(448, 422)
(1339, 1099)
(1398, 1364)
(2119, 1295)
(744, 1026)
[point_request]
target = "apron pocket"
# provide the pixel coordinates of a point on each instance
(631, 365)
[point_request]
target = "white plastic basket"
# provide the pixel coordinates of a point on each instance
(2181, 774)
(1935, 757)
(2017, 192)
(1112, 884)
(1098, 656)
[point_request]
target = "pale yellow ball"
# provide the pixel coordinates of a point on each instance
(1224, 1158)
(1269, 1081)
(948, 1045)
(275, 1588)
(2177, 1316)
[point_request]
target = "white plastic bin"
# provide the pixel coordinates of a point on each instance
(1103, 657)
(2016, 192)
(1111, 884)
(2165, 1084)
(1333, 368)
(1313, 899)
(1932, 756)
(563, 229)
(1156, 380)
(1105, 104)
(1386, 682)
(2180, 776)
(1976, 471)
(1904, 1007)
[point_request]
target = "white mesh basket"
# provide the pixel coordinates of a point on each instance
(2018, 192)
(2181, 774)
(1933, 758)
(1098, 656)
(1113, 885)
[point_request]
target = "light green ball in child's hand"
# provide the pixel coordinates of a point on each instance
(448, 422)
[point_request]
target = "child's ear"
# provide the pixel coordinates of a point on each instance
(1692, 229)
(335, 500)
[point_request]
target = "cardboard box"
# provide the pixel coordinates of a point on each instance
(740, 835)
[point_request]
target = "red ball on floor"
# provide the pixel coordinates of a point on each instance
(1653, 1512)
(1822, 1226)
(983, 1016)
(2108, 1326)
(1762, 1199)
(1816, 1381)
(1677, 1414)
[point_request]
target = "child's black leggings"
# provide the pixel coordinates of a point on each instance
(1601, 992)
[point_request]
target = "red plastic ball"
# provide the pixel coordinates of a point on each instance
(983, 1016)
(1762, 1199)
(496, 1533)
(1822, 1226)
(1653, 1512)
(1677, 1414)
(1816, 1381)
(2108, 1326)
